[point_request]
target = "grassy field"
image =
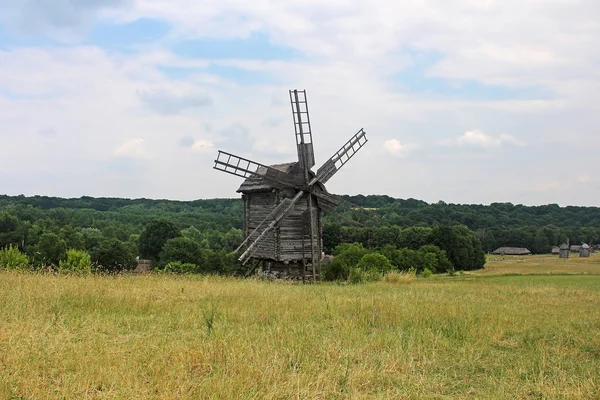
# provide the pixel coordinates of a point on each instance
(540, 264)
(481, 335)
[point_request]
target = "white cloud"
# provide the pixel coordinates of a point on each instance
(133, 148)
(394, 147)
(168, 103)
(202, 146)
(479, 139)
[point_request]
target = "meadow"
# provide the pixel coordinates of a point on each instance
(525, 327)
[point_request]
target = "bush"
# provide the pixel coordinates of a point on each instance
(12, 258)
(76, 261)
(182, 249)
(50, 249)
(178, 267)
(426, 273)
(112, 255)
(434, 259)
(358, 275)
(154, 236)
(350, 254)
(375, 262)
(334, 270)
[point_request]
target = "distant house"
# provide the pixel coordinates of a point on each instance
(575, 248)
(555, 250)
(512, 251)
(584, 251)
(564, 251)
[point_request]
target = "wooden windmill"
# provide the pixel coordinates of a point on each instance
(283, 203)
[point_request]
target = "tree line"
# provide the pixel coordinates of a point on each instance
(46, 228)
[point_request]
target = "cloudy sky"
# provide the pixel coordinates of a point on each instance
(470, 101)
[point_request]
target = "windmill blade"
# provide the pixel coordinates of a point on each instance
(245, 168)
(277, 216)
(342, 156)
(304, 143)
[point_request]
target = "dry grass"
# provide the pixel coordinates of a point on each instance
(166, 337)
(399, 277)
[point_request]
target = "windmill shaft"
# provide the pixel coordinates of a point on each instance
(312, 237)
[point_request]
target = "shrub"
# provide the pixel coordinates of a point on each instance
(76, 261)
(50, 249)
(334, 270)
(375, 262)
(113, 255)
(12, 258)
(350, 254)
(178, 267)
(426, 273)
(181, 249)
(435, 259)
(358, 275)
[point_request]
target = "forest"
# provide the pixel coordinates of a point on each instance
(201, 234)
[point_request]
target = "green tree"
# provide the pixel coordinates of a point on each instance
(50, 249)
(541, 244)
(181, 249)
(154, 237)
(334, 270)
(113, 255)
(414, 237)
(193, 233)
(232, 239)
(375, 262)
(461, 245)
(11, 230)
(350, 254)
(91, 237)
(332, 236)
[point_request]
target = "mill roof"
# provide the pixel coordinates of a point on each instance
(256, 184)
(296, 177)
(585, 246)
(564, 246)
(512, 251)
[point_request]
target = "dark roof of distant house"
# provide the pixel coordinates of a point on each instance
(575, 247)
(512, 251)
(555, 249)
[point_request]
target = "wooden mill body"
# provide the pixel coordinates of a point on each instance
(287, 247)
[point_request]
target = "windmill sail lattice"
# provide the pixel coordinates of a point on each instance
(282, 231)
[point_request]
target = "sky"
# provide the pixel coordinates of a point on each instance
(464, 101)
